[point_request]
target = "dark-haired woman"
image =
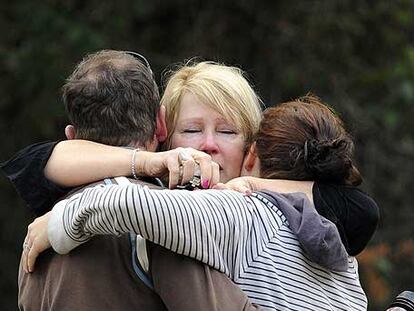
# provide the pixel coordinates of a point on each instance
(276, 247)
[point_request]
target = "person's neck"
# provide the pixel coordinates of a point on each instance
(150, 146)
(133, 146)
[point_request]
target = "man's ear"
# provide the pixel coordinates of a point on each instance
(250, 159)
(70, 131)
(161, 129)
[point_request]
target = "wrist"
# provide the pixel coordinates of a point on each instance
(254, 183)
(58, 238)
(138, 163)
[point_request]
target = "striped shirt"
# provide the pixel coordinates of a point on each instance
(246, 237)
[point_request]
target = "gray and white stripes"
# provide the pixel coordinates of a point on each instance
(247, 238)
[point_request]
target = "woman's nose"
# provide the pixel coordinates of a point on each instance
(209, 144)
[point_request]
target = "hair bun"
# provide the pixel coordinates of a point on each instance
(328, 160)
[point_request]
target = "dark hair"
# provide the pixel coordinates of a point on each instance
(305, 140)
(112, 98)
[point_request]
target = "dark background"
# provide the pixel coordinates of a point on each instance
(357, 55)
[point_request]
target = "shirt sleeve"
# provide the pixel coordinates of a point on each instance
(204, 289)
(354, 212)
(210, 226)
(25, 172)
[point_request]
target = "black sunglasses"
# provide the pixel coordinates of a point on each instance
(141, 58)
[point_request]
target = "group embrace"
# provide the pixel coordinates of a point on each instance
(273, 223)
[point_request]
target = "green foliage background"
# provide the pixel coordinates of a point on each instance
(357, 55)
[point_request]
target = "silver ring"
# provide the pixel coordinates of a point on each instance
(195, 181)
(180, 174)
(197, 170)
(183, 156)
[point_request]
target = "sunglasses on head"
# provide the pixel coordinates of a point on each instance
(141, 58)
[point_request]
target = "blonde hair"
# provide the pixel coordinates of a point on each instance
(222, 88)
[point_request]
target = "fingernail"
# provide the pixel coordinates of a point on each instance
(205, 183)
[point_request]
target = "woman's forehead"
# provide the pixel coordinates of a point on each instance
(192, 107)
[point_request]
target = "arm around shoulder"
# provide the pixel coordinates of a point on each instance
(77, 162)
